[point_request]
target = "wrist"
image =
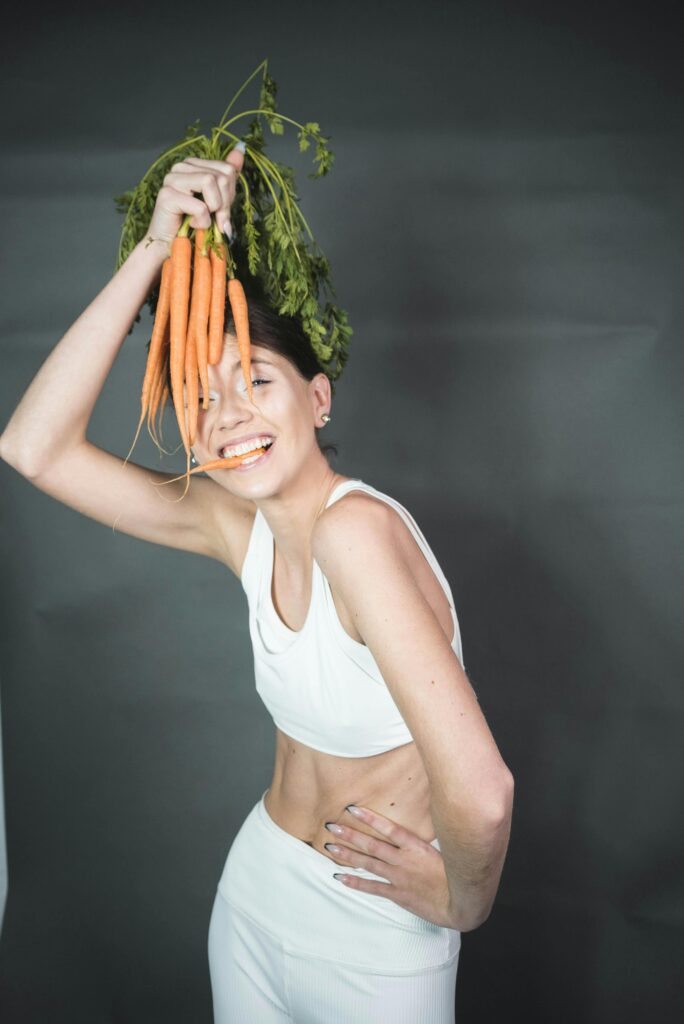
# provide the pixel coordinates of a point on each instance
(152, 251)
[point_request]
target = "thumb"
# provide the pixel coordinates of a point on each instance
(236, 158)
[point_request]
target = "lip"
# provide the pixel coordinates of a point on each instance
(239, 440)
(245, 467)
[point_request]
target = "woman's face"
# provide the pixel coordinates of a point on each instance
(286, 408)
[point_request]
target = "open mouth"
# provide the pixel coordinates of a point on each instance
(249, 458)
(264, 446)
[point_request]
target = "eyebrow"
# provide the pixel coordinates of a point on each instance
(237, 364)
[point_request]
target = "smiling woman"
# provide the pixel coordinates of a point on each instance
(380, 740)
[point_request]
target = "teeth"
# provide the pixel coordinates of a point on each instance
(246, 446)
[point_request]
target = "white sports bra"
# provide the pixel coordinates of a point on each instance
(319, 685)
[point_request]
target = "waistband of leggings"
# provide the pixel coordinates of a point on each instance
(279, 834)
(297, 844)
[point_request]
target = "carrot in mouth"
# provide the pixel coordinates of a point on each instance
(214, 464)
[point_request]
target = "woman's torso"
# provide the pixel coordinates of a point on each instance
(309, 786)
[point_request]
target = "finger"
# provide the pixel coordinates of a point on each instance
(368, 885)
(344, 856)
(224, 177)
(368, 844)
(175, 201)
(235, 162)
(227, 189)
(202, 181)
(236, 159)
(392, 830)
(378, 848)
(228, 167)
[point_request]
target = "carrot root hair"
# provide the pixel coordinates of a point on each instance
(155, 353)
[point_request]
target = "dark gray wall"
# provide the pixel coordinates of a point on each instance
(504, 224)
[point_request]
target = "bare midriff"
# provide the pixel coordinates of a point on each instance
(310, 788)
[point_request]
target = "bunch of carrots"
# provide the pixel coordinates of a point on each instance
(187, 335)
(271, 240)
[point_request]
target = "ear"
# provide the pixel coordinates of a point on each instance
(321, 397)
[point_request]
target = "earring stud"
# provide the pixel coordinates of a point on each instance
(325, 417)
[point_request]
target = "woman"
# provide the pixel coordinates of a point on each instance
(383, 833)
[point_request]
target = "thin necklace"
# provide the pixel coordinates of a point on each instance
(325, 498)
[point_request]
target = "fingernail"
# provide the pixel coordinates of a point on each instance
(353, 809)
(227, 229)
(340, 877)
(241, 146)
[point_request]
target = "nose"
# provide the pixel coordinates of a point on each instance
(234, 409)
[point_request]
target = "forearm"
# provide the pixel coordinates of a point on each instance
(474, 851)
(55, 409)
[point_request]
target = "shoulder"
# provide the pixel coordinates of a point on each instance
(355, 528)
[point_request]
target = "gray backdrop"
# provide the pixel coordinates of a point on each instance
(504, 224)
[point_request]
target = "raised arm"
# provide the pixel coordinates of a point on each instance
(45, 438)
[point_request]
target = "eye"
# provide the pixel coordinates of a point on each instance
(258, 380)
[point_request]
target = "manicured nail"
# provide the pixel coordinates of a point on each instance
(340, 878)
(227, 229)
(241, 146)
(332, 827)
(353, 809)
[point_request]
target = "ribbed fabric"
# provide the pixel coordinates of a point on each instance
(320, 686)
(287, 941)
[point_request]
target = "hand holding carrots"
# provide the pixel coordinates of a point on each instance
(212, 180)
(188, 328)
(191, 183)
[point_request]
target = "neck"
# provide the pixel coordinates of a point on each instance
(292, 512)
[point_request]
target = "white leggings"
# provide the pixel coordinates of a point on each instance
(288, 942)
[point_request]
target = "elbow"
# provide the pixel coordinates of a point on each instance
(13, 459)
(476, 921)
(7, 455)
(498, 808)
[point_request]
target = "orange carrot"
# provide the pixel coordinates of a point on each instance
(159, 331)
(218, 305)
(159, 403)
(162, 405)
(157, 386)
(230, 463)
(191, 387)
(155, 394)
(238, 305)
(181, 252)
(201, 297)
